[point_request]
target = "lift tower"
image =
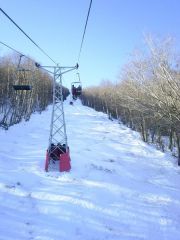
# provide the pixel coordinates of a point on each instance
(57, 156)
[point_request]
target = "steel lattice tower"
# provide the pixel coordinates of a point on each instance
(58, 149)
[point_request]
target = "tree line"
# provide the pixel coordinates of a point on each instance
(18, 105)
(146, 96)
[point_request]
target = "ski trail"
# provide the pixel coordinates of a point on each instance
(118, 188)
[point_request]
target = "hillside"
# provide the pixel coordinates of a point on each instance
(119, 188)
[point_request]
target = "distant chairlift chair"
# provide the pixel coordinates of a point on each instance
(76, 89)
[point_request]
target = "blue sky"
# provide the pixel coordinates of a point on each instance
(114, 30)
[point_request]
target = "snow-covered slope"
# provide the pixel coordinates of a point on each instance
(118, 188)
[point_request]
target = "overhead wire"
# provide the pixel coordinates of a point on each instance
(12, 48)
(22, 54)
(84, 32)
(26, 35)
(82, 41)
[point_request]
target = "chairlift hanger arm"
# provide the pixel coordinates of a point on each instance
(20, 59)
(78, 76)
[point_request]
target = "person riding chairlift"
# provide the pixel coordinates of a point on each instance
(79, 90)
(73, 92)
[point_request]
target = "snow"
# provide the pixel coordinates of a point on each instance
(118, 187)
